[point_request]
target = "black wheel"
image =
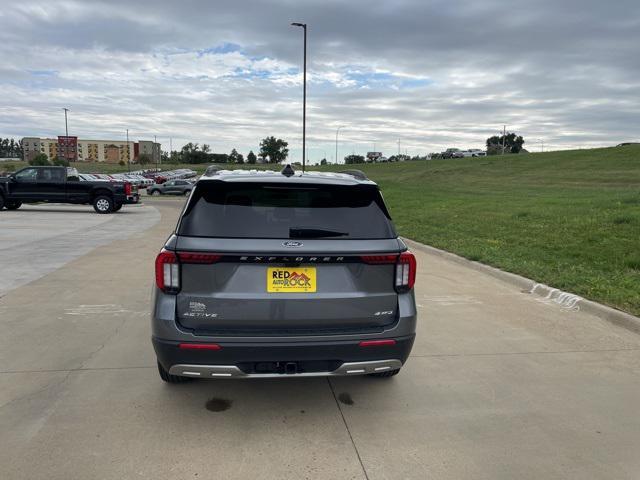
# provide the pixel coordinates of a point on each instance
(154, 192)
(388, 373)
(117, 207)
(1, 202)
(13, 205)
(167, 377)
(103, 204)
(186, 192)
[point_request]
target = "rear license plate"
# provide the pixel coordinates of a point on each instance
(300, 280)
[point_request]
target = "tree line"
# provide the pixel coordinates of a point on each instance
(272, 150)
(10, 148)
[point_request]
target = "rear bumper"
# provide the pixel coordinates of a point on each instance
(268, 360)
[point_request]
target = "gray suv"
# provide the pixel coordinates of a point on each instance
(277, 274)
(171, 187)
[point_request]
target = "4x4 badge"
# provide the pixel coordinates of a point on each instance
(291, 243)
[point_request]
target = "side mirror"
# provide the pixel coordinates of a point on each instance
(12, 177)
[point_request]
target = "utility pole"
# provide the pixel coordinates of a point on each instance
(504, 138)
(155, 142)
(398, 147)
(304, 94)
(337, 130)
(66, 131)
(128, 157)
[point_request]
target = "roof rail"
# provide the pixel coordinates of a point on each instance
(359, 174)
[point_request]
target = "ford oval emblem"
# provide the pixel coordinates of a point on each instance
(292, 244)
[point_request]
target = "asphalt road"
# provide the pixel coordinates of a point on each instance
(500, 384)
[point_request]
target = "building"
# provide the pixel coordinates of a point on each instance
(75, 149)
(147, 147)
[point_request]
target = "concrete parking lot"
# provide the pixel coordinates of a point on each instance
(500, 384)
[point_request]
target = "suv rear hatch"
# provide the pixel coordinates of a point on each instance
(276, 258)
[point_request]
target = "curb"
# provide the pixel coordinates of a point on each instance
(564, 299)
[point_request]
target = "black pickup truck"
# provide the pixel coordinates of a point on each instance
(63, 185)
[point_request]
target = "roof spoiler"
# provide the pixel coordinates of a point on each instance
(359, 174)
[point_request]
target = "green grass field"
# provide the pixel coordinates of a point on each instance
(568, 219)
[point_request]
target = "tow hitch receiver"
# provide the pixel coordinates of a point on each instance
(290, 368)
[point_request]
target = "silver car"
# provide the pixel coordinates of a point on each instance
(171, 187)
(278, 274)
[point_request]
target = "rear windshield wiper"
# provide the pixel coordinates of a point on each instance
(295, 232)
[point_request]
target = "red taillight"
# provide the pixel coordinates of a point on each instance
(405, 272)
(167, 272)
(377, 343)
(168, 267)
(200, 346)
(379, 259)
(196, 257)
(127, 188)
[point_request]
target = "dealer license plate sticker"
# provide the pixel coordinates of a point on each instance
(300, 280)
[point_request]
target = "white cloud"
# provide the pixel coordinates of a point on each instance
(227, 73)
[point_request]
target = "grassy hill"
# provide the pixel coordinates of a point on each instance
(568, 219)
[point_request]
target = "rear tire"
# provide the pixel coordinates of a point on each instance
(103, 204)
(167, 377)
(387, 374)
(154, 192)
(13, 205)
(1, 202)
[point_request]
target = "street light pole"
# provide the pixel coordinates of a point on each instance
(337, 130)
(66, 131)
(504, 138)
(128, 157)
(304, 94)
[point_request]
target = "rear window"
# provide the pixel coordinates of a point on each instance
(273, 210)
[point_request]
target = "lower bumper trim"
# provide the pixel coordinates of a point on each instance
(231, 371)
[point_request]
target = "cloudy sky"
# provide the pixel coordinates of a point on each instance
(430, 74)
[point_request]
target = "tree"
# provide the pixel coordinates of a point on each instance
(240, 159)
(144, 159)
(251, 157)
(121, 163)
(323, 161)
(218, 158)
(351, 159)
(9, 148)
(60, 162)
(274, 148)
(233, 156)
(40, 160)
(512, 144)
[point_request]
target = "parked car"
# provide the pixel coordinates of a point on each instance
(450, 152)
(87, 177)
(63, 185)
(171, 187)
(476, 152)
(279, 275)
